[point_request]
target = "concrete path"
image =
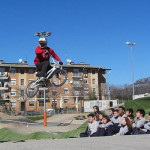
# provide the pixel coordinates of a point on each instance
(132, 142)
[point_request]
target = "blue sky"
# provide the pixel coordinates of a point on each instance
(90, 31)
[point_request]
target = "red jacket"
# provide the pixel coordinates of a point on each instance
(41, 56)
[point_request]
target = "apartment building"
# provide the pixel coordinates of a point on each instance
(82, 81)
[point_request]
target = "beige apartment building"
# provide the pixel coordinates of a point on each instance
(83, 80)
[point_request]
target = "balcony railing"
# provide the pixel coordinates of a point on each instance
(4, 88)
(77, 85)
(77, 75)
(76, 93)
(3, 75)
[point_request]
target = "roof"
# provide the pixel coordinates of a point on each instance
(72, 65)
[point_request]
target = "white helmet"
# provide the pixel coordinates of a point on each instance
(43, 42)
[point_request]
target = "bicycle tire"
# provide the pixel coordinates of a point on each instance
(36, 89)
(59, 81)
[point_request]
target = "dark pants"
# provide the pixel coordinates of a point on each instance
(137, 131)
(99, 132)
(113, 129)
(42, 68)
(85, 134)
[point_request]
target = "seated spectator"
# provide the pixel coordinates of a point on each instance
(122, 112)
(111, 112)
(92, 126)
(102, 128)
(126, 127)
(131, 119)
(96, 112)
(146, 129)
(139, 122)
(116, 120)
(100, 117)
(129, 112)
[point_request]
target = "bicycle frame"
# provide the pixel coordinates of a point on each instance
(51, 71)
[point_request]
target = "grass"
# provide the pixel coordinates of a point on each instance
(9, 135)
(39, 117)
(141, 103)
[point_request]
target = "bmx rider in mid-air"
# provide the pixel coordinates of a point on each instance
(42, 58)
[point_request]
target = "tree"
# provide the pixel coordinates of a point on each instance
(92, 96)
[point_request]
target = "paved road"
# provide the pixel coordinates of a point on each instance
(139, 142)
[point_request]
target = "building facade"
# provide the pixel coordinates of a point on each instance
(83, 81)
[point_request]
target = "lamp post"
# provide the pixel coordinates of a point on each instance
(132, 44)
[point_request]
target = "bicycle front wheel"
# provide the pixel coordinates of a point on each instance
(32, 89)
(59, 78)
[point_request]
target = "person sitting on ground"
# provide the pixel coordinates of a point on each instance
(126, 127)
(92, 126)
(146, 129)
(96, 112)
(122, 112)
(111, 112)
(42, 58)
(102, 128)
(116, 120)
(139, 122)
(131, 119)
(100, 118)
(129, 112)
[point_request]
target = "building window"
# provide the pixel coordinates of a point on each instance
(66, 91)
(66, 81)
(75, 70)
(54, 92)
(41, 103)
(86, 90)
(85, 72)
(13, 82)
(22, 81)
(93, 81)
(93, 71)
(85, 81)
(12, 70)
(22, 71)
(31, 71)
(13, 92)
(94, 90)
(54, 104)
(31, 102)
(22, 93)
(66, 101)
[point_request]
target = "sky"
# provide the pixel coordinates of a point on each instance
(90, 31)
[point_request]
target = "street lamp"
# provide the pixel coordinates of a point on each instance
(132, 44)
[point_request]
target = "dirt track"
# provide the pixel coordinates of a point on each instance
(64, 123)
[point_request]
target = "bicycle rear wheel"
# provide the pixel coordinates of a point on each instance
(32, 89)
(59, 77)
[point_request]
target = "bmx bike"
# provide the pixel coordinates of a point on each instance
(58, 78)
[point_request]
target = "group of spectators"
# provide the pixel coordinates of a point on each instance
(117, 122)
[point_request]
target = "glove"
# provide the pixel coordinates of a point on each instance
(46, 52)
(60, 62)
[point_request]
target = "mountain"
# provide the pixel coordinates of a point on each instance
(142, 82)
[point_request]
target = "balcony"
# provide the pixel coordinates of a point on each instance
(74, 85)
(77, 75)
(76, 93)
(3, 75)
(4, 86)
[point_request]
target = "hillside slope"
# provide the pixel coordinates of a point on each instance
(141, 103)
